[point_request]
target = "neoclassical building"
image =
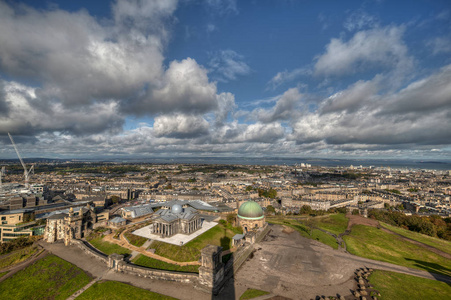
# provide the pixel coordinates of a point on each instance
(168, 222)
(250, 216)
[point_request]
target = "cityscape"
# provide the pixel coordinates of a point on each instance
(225, 149)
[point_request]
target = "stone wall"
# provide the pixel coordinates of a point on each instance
(122, 266)
(91, 251)
(131, 269)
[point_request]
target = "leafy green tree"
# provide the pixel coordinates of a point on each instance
(115, 199)
(270, 209)
(231, 218)
(305, 210)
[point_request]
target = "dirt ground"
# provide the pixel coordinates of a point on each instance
(359, 220)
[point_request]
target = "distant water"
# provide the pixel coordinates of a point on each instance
(266, 161)
(396, 164)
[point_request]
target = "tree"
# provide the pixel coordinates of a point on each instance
(272, 193)
(231, 218)
(355, 212)
(305, 210)
(270, 209)
(115, 199)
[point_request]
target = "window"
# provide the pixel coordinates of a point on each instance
(3, 218)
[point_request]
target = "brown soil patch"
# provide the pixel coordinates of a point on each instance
(359, 220)
(287, 229)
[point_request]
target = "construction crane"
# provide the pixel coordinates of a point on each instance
(2, 173)
(26, 172)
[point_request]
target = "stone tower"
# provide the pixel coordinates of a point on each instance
(211, 272)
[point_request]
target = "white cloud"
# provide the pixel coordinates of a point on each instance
(28, 116)
(440, 45)
(286, 107)
(228, 65)
(353, 98)
(363, 115)
(185, 87)
(180, 126)
(211, 28)
(226, 105)
(222, 7)
(375, 48)
(287, 76)
(359, 20)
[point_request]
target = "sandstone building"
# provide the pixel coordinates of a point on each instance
(72, 225)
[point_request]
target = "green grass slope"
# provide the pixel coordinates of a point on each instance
(371, 242)
(48, 278)
(440, 244)
(394, 286)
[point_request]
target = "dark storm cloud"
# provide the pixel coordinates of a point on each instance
(4, 108)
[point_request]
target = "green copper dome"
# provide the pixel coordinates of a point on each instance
(250, 210)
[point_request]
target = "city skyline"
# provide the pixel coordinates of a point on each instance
(156, 78)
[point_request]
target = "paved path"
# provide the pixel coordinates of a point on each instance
(124, 243)
(78, 293)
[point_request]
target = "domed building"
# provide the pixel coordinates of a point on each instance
(177, 219)
(250, 216)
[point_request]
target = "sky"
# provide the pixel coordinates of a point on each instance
(212, 78)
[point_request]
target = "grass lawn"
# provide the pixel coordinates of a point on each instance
(252, 293)
(150, 262)
(2, 274)
(315, 234)
(376, 244)
(109, 248)
(17, 256)
(218, 235)
(48, 278)
(336, 223)
(440, 244)
(113, 290)
(135, 240)
(400, 286)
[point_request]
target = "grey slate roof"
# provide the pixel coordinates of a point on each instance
(167, 215)
(139, 210)
(117, 220)
(238, 236)
(197, 204)
(58, 216)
